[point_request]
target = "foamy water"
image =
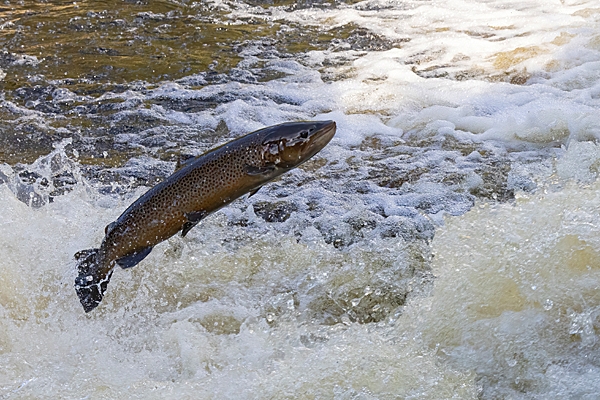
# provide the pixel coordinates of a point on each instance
(444, 245)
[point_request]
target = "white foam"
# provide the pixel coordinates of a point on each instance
(537, 40)
(515, 296)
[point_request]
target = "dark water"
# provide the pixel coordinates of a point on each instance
(72, 62)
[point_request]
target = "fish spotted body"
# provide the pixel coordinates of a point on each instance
(201, 186)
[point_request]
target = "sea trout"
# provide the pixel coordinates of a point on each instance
(201, 186)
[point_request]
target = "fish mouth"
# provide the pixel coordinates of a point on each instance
(320, 137)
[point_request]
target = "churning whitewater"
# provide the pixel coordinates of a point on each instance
(444, 244)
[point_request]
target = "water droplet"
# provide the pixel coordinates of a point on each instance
(511, 362)
(548, 304)
(355, 302)
(290, 304)
(270, 317)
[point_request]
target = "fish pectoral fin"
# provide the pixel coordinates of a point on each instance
(134, 258)
(253, 192)
(192, 221)
(266, 170)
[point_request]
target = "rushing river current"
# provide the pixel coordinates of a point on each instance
(445, 244)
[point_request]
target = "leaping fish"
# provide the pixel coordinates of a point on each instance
(201, 186)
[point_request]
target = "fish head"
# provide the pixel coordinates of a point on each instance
(289, 145)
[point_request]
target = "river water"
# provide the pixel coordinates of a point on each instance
(444, 245)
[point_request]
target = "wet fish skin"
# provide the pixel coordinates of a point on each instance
(201, 186)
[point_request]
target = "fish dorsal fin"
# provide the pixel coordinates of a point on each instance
(192, 221)
(109, 228)
(134, 258)
(184, 160)
(265, 170)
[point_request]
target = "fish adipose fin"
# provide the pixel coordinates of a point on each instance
(133, 259)
(90, 285)
(107, 230)
(192, 221)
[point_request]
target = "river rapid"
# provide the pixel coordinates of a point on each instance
(444, 245)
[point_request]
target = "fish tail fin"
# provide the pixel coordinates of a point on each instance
(92, 280)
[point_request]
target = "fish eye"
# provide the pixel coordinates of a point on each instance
(304, 134)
